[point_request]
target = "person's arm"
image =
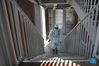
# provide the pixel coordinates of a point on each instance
(60, 40)
(50, 35)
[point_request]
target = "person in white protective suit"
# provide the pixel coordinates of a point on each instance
(54, 39)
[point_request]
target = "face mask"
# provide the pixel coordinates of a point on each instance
(56, 27)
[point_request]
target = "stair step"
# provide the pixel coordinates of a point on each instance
(63, 58)
(61, 55)
(55, 61)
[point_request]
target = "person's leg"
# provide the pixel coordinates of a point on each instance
(55, 48)
(53, 51)
(56, 51)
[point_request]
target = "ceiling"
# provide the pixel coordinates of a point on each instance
(52, 1)
(53, 4)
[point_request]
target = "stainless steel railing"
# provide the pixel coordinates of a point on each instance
(26, 40)
(87, 5)
(81, 39)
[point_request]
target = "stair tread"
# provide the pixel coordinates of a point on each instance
(61, 55)
(55, 61)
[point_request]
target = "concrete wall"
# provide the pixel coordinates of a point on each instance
(51, 19)
(70, 19)
(28, 8)
(38, 22)
(33, 12)
(47, 21)
(59, 17)
(78, 10)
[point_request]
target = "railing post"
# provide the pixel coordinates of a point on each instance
(96, 43)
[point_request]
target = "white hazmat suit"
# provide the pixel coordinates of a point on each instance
(54, 37)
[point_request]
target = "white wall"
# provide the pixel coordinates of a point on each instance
(59, 17)
(43, 23)
(38, 18)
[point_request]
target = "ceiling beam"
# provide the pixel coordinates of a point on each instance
(52, 3)
(39, 1)
(55, 6)
(33, 1)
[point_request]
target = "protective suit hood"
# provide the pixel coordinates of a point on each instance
(56, 26)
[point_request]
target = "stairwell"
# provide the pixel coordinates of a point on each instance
(79, 45)
(75, 53)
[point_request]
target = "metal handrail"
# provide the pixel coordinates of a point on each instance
(20, 9)
(82, 20)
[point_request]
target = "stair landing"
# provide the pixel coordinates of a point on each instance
(55, 61)
(61, 59)
(64, 56)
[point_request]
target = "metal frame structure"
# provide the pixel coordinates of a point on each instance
(81, 39)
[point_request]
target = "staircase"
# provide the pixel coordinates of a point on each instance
(61, 59)
(79, 45)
